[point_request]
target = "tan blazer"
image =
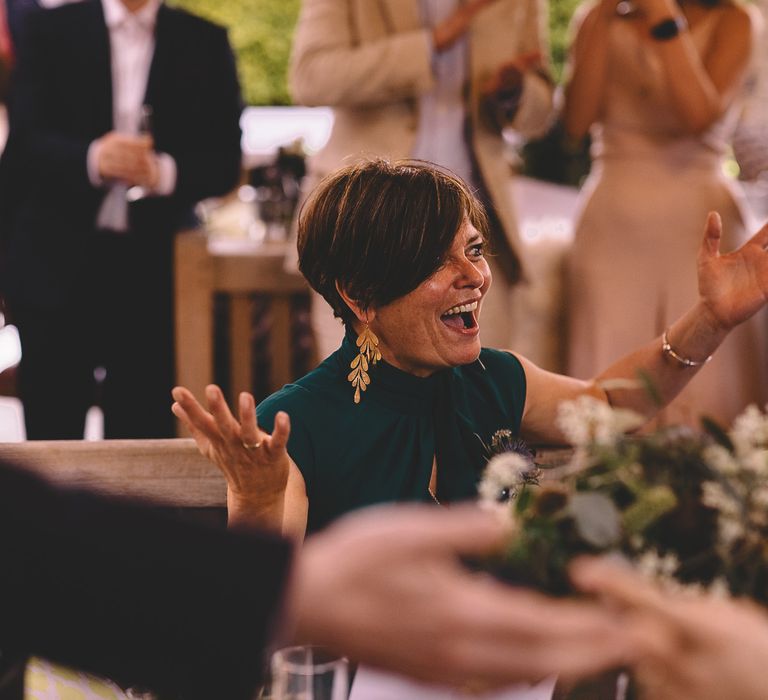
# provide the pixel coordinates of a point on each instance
(370, 61)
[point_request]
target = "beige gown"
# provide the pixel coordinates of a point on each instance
(633, 265)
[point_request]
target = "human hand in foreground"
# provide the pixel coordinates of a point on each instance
(732, 286)
(686, 645)
(386, 587)
(254, 463)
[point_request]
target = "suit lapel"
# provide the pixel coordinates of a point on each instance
(100, 60)
(161, 57)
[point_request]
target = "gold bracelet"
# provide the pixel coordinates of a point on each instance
(667, 349)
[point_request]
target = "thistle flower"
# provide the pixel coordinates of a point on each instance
(505, 474)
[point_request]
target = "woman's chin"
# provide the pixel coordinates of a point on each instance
(469, 354)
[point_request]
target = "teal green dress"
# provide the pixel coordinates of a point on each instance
(381, 450)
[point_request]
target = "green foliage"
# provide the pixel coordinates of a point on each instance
(560, 13)
(261, 34)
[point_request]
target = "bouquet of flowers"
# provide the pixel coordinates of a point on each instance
(681, 504)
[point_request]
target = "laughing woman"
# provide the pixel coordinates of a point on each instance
(404, 409)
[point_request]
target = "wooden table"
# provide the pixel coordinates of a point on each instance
(239, 268)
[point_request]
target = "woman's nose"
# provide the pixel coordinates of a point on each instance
(471, 275)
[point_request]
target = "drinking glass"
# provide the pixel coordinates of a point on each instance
(137, 192)
(309, 673)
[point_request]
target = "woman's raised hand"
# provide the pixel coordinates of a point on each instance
(733, 286)
(254, 463)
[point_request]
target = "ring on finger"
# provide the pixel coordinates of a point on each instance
(251, 445)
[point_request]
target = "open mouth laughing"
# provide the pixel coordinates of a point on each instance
(461, 317)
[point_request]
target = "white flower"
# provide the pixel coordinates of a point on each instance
(760, 497)
(588, 421)
(756, 461)
(719, 589)
(750, 430)
(719, 459)
(652, 565)
(504, 472)
(730, 531)
(714, 495)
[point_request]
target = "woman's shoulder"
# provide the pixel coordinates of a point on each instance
(505, 361)
(494, 385)
(289, 396)
(501, 372)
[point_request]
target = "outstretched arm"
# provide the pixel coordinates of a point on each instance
(587, 66)
(264, 486)
(732, 288)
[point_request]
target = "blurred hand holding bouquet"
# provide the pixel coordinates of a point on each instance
(684, 505)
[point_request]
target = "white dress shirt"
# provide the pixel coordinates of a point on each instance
(442, 113)
(132, 45)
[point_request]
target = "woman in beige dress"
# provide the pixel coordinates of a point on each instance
(656, 83)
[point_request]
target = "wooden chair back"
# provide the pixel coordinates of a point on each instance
(169, 472)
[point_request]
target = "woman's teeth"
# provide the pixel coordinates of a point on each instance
(461, 309)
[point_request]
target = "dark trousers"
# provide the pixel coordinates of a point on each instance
(119, 318)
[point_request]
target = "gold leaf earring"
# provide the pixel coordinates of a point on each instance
(369, 355)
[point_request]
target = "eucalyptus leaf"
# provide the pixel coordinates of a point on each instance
(650, 387)
(596, 518)
(717, 433)
(650, 505)
(523, 500)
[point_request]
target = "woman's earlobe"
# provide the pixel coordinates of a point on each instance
(362, 315)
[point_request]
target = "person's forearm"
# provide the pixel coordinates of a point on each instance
(255, 511)
(697, 100)
(589, 64)
(694, 336)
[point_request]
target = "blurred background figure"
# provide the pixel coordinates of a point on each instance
(657, 83)
(750, 142)
(435, 80)
(16, 12)
(93, 193)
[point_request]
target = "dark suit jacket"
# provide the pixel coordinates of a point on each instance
(126, 592)
(62, 100)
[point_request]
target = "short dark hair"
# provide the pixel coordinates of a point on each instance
(380, 228)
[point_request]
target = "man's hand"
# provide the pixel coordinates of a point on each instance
(386, 587)
(128, 159)
(687, 645)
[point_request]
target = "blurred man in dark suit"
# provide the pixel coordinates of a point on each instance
(124, 591)
(89, 202)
